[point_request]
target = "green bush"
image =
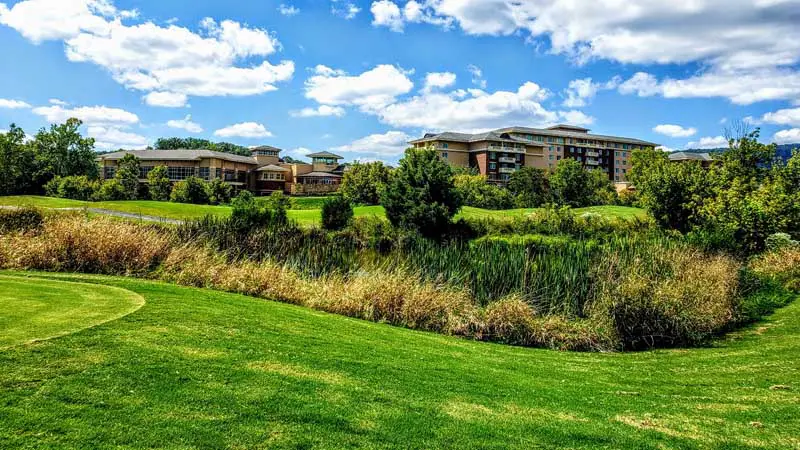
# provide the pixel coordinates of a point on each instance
(778, 241)
(363, 182)
(191, 190)
(337, 212)
(20, 219)
(219, 192)
(158, 183)
(128, 176)
(111, 190)
(477, 192)
(530, 187)
(421, 194)
(77, 187)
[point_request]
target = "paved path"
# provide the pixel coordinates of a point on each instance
(111, 212)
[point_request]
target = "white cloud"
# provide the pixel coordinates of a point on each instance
(709, 142)
(477, 76)
(55, 101)
(13, 104)
(438, 80)
(791, 136)
(320, 111)
(783, 117)
(387, 13)
(288, 10)
(576, 117)
(391, 143)
(166, 99)
(344, 9)
(473, 110)
(581, 92)
(111, 137)
(299, 152)
(757, 40)
(90, 115)
(664, 148)
(250, 130)
(154, 58)
(185, 124)
(675, 131)
(372, 89)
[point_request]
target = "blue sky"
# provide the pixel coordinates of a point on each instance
(362, 77)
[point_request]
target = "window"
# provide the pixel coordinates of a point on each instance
(269, 176)
(218, 173)
(560, 140)
(204, 173)
(265, 153)
(551, 157)
(144, 171)
(492, 155)
(616, 170)
(108, 172)
(445, 145)
(624, 162)
(229, 175)
(444, 155)
(180, 173)
(492, 166)
(616, 178)
(558, 158)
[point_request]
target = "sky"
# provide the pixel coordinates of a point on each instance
(361, 78)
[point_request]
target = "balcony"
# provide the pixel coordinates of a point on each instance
(507, 159)
(500, 148)
(592, 162)
(507, 169)
(592, 154)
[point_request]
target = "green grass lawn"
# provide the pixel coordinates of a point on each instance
(196, 368)
(45, 309)
(305, 212)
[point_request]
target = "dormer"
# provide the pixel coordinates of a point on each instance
(266, 154)
(324, 161)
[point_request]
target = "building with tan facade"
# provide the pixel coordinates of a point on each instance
(499, 153)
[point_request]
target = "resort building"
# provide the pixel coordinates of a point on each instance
(705, 158)
(499, 153)
(262, 173)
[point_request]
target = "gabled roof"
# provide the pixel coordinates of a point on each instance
(266, 148)
(324, 155)
(272, 168)
(319, 175)
(556, 131)
(178, 155)
(690, 156)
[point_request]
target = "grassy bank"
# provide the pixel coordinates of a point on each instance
(203, 369)
(305, 210)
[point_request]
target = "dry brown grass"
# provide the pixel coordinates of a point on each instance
(782, 266)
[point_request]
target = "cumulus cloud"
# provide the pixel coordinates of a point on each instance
(675, 131)
(345, 9)
(477, 76)
(438, 80)
(370, 90)
(789, 117)
(288, 10)
(709, 142)
(154, 58)
(185, 124)
(166, 99)
(110, 138)
(55, 101)
(389, 144)
(320, 111)
(88, 114)
(791, 136)
(581, 92)
(249, 130)
(13, 104)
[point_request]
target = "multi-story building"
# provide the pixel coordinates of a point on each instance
(262, 173)
(501, 152)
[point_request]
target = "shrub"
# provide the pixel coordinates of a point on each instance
(337, 212)
(530, 187)
(781, 266)
(778, 241)
(574, 186)
(219, 192)
(421, 194)
(159, 185)
(363, 183)
(111, 190)
(191, 190)
(73, 187)
(128, 176)
(476, 192)
(20, 219)
(249, 214)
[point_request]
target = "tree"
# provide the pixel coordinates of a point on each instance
(128, 175)
(530, 187)
(62, 151)
(573, 185)
(421, 194)
(219, 191)
(363, 183)
(476, 192)
(191, 190)
(111, 190)
(158, 181)
(17, 163)
(337, 212)
(176, 143)
(77, 187)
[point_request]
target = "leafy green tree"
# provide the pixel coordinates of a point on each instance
(475, 191)
(219, 191)
(128, 175)
(175, 143)
(111, 190)
(421, 194)
(191, 190)
(17, 163)
(159, 184)
(530, 187)
(363, 183)
(573, 185)
(337, 212)
(248, 213)
(62, 151)
(77, 187)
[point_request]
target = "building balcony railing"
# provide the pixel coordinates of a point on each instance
(507, 169)
(506, 159)
(592, 162)
(500, 148)
(592, 154)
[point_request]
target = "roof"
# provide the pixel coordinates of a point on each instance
(557, 131)
(324, 155)
(266, 147)
(178, 155)
(272, 168)
(690, 156)
(319, 175)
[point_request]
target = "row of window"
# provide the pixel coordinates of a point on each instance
(269, 176)
(560, 140)
(182, 173)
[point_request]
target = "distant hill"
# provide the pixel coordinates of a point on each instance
(784, 150)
